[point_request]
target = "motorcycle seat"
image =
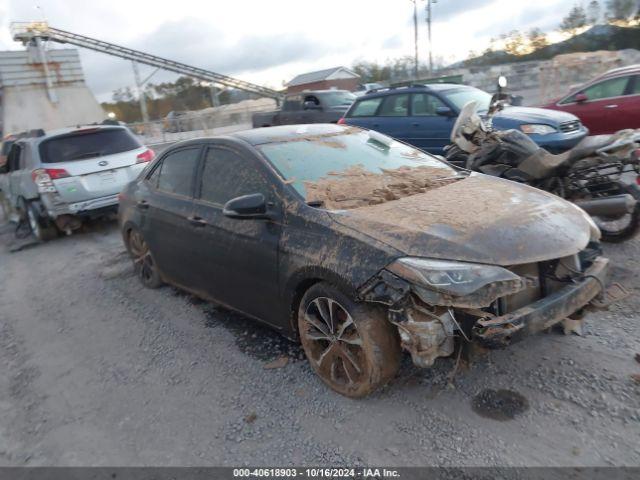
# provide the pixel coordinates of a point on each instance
(589, 145)
(543, 164)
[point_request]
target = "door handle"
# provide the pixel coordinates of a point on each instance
(142, 204)
(197, 221)
(611, 106)
(415, 124)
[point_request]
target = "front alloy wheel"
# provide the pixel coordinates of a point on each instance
(352, 347)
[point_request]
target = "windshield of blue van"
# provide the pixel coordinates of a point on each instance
(352, 167)
(461, 96)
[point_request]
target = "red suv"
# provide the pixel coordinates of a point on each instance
(608, 103)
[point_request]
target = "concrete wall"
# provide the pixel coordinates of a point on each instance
(541, 81)
(28, 107)
(44, 90)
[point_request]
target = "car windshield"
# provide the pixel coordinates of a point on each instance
(350, 168)
(461, 96)
(87, 143)
(334, 99)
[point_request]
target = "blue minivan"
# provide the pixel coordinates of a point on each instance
(423, 116)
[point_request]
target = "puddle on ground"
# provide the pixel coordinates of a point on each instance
(499, 405)
(251, 337)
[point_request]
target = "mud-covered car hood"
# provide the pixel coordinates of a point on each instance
(478, 219)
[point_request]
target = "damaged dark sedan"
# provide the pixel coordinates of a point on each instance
(359, 246)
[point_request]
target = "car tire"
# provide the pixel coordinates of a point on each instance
(143, 261)
(41, 227)
(352, 346)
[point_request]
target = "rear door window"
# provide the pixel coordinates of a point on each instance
(292, 103)
(176, 173)
(395, 106)
(87, 143)
(366, 108)
(613, 87)
(425, 105)
(227, 175)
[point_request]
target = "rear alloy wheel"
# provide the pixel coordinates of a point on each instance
(351, 346)
(143, 263)
(40, 227)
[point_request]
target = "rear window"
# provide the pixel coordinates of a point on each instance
(336, 99)
(365, 108)
(87, 144)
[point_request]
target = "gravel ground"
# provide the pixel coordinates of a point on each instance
(97, 370)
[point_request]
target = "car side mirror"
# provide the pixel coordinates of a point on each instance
(311, 105)
(252, 206)
(444, 111)
(581, 97)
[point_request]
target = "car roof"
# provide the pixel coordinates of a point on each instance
(416, 88)
(287, 133)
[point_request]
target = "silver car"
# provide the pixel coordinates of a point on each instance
(54, 179)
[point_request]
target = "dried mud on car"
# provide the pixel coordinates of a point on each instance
(357, 187)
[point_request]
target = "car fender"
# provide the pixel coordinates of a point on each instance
(305, 277)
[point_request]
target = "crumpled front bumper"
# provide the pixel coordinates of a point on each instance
(500, 331)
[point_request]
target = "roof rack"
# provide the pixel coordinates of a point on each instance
(383, 89)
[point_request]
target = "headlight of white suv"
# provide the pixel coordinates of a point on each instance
(538, 128)
(456, 279)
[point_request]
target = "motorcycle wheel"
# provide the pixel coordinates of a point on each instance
(616, 230)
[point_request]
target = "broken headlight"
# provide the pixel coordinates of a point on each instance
(455, 279)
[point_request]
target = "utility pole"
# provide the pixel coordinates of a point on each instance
(429, 35)
(415, 36)
(215, 101)
(141, 96)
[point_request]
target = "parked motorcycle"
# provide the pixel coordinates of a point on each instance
(589, 175)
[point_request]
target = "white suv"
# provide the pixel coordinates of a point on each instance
(53, 179)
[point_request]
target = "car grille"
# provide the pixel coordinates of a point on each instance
(570, 126)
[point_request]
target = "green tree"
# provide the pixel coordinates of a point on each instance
(514, 43)
(537, 39)
(593, 12)
(575, 19)
(122, 95)
(621, 10)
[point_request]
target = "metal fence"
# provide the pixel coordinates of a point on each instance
(211, 121)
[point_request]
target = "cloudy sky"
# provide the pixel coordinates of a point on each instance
(268, 42)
